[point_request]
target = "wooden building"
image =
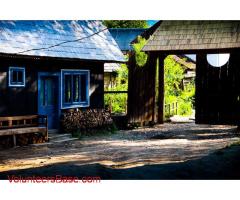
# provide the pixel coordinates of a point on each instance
(123, 38)
(217, 45)
(47, 67)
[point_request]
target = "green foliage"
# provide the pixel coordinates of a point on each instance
(174, 75)
(125, 23)
(118, 101)
(184, 107)
(141, 57)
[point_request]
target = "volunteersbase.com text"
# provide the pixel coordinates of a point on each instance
(53, 179)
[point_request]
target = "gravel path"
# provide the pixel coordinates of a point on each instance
(163, 144)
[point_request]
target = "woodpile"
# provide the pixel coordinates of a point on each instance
(22, 140)
(85, 119)
(6, 141)
(31, 138)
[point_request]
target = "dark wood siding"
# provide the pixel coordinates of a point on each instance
(218, 91)
(141, 91)
(24, 100)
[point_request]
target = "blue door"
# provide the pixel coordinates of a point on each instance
(48, 99)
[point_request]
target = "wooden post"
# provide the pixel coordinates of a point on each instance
(198, 86)
(47, 128)
(161, 89)
(176, 108)
(110, 106)
(153, 65)
(14, 140)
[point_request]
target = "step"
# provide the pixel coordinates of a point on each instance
(56, 136)
(53, 131)
(40, 144)
(63, 140)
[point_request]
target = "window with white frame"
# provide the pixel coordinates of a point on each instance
(75, 88)
(16, 77)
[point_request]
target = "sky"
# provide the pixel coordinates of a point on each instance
(151, 22)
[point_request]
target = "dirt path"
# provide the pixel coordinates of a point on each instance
(163, 144)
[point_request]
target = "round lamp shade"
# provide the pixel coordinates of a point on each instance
(218, 60)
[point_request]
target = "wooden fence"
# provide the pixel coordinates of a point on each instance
(170, 109)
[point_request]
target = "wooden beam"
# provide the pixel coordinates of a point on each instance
(161, 89)
(115, 92)
(19, 131)
(18, 117)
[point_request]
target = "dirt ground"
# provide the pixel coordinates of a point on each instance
(169, 151)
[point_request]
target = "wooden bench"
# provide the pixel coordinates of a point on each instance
(16, 125)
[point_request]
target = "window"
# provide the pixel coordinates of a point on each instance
(16, 77)
(218, 60)
(75, 88)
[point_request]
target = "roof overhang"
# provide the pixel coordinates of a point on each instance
(195, 36)
(17, 56)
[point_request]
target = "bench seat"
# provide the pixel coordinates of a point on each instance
(16, 125)
(18, 131)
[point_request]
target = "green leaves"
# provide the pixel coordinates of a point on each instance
(141, 57)
(125, 23)
(174, 74)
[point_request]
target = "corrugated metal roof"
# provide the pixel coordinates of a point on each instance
(195, 35)
(20, 36)
(124, 36)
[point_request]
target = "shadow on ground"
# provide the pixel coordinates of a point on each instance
(222, 164)
(198, 134)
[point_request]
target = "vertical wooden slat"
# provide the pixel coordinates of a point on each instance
(198, 86)
(9, 123)
(141, 91)
(161, 89)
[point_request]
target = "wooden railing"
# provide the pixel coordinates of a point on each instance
(171, 109)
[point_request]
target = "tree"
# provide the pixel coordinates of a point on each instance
(125, 23)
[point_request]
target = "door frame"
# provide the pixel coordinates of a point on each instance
(57, 75)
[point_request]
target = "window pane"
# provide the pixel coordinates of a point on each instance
(83, 87)
(75, 89)
(67, 88)
(76, 82)
(14, 76)
(20, 76)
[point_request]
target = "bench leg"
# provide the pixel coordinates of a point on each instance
(14, 141)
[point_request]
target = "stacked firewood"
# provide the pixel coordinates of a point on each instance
(24, 139)
(85, 119)
(31, 138)
(6, 141)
